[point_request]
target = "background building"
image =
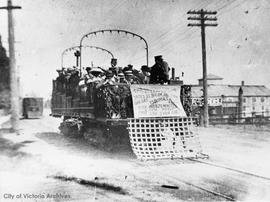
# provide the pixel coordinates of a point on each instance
(223, 100)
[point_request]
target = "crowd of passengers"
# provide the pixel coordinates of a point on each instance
(69, 79)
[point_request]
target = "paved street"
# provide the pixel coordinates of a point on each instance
(43, 165)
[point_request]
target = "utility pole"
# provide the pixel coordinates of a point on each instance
(202, 17)
(14, 95)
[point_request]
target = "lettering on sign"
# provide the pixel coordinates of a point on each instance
(156, 101)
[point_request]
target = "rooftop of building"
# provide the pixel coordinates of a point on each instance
(230, 90)
(212, 77)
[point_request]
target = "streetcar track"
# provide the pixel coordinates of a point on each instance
(229, 168)
(221, 195)
(200, 188)
(224, 196)
(173, 179)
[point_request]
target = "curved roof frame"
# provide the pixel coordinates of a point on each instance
(113, 31)
(79, 48)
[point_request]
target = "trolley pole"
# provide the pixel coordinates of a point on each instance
(14, 96)
(202, 18)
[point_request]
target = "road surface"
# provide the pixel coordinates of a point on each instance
(43, 165)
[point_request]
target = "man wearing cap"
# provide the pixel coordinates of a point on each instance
(113, 67)
(60, 81)
(131, 79)
(145, 74)
(96, 71)
(121, 78)
(74, 82)
(160, 71)
(128, 68)
(109, 80)
(88, 75)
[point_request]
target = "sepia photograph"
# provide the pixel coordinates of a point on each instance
(134, 100)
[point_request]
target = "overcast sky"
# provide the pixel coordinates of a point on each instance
(238, 49)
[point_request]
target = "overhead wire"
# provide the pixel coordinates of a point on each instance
(188, 36)
(173, 31)
(186, 31)
(119, 4)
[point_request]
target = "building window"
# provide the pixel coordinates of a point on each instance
(244, 108)
(262, 99)
(254, 99)
(244, 100)
(253, 108)
(262, 108)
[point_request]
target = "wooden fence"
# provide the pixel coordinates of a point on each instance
(257, 120)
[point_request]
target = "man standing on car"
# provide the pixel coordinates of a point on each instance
(159, 71)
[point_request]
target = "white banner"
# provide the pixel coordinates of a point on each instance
(156, 101)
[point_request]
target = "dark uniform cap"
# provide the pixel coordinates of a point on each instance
(109, 74)
(158, 57)
(145, 68)
(128, 68)
(112, 68)
(70, 69)
(113, 59)
(88, 68)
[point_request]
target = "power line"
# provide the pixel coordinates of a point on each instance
(174, 31)
(189, 29)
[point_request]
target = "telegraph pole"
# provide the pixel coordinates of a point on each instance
(14, 95)
(202, 17)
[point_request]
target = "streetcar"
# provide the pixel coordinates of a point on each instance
(32, 107)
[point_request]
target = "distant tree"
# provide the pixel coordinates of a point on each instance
(4, 78)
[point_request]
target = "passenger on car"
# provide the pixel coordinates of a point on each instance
(131, 79)
(97, 75)
(114, 67)
(88, 74)
(145, 74)
(159, 71)
(121, 78)
(60, 81)
(109, 80)
(129, 67)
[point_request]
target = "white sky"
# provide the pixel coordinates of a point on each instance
(238, 49)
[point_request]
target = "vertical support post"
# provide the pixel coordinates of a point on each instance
(14, 94)
(173, 73)
(240, 104)
(147, 59)
(80, 58)
(205, 89)
(202, 18)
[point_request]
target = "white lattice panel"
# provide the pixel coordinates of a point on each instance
(159, 138)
